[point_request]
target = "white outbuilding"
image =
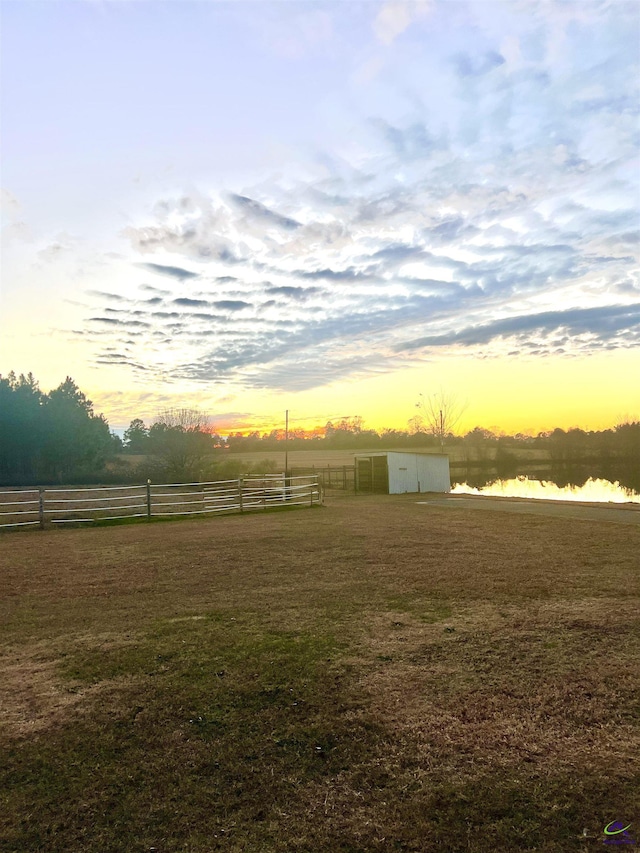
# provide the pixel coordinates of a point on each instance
(396, 472)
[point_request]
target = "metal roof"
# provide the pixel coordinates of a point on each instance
(387, 452)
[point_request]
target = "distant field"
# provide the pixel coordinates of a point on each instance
(322, 458)
(373, 675)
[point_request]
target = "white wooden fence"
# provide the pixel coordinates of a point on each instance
(45, 507)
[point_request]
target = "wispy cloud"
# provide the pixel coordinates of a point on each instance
(173, 272)
(294, 292)
(190, 303)
(479, 196)
(260, 212)
(609, 326)
(466, 257)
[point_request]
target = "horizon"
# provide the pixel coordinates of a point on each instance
(324, 207)
(223, 427)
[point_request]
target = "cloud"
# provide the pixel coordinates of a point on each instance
(260, 212)
(293, 292)
(481, 251)
(451, 228)
(410, 143)
(173, 272)
(113, 321)
(52, 252)
(9, 204)
(619, 323)
(346, 275)
(155, 289)
(231, 304)
(121, 360)
(193, 303)
(102, 294)
(325, 338)
(395, 252)
(315, 372)
(190, 226)
(483, 202)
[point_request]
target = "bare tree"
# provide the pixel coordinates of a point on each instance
(440, 413)
(416, 425)
(187, 420)
(180, 441)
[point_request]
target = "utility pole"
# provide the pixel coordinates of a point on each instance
(287, 479)
(286, 444)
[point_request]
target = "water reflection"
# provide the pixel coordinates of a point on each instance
(565, 474)
(597, 490)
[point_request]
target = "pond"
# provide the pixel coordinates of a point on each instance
(596, 490)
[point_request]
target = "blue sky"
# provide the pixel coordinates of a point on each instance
(328, 207)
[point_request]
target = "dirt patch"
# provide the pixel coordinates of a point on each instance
(34, 699)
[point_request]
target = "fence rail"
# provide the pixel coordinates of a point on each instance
(332, 477)
(46, 507)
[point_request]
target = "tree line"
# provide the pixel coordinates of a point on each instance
(56, 437)
(50, 437)
(181, 442)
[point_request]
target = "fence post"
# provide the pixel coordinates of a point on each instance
(41, 507)
(148, 500)
(344, 477)
(240, 494)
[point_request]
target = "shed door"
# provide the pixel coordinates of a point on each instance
(364, 475)
(373, 475)
(380, 468)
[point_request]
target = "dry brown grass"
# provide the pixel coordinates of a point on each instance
(375, 675)
(337, 457)
(319, 458)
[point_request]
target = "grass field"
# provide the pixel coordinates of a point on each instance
(373, 675)
(335, 457)
(322, 458)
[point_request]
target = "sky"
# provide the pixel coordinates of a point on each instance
(330, 208)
